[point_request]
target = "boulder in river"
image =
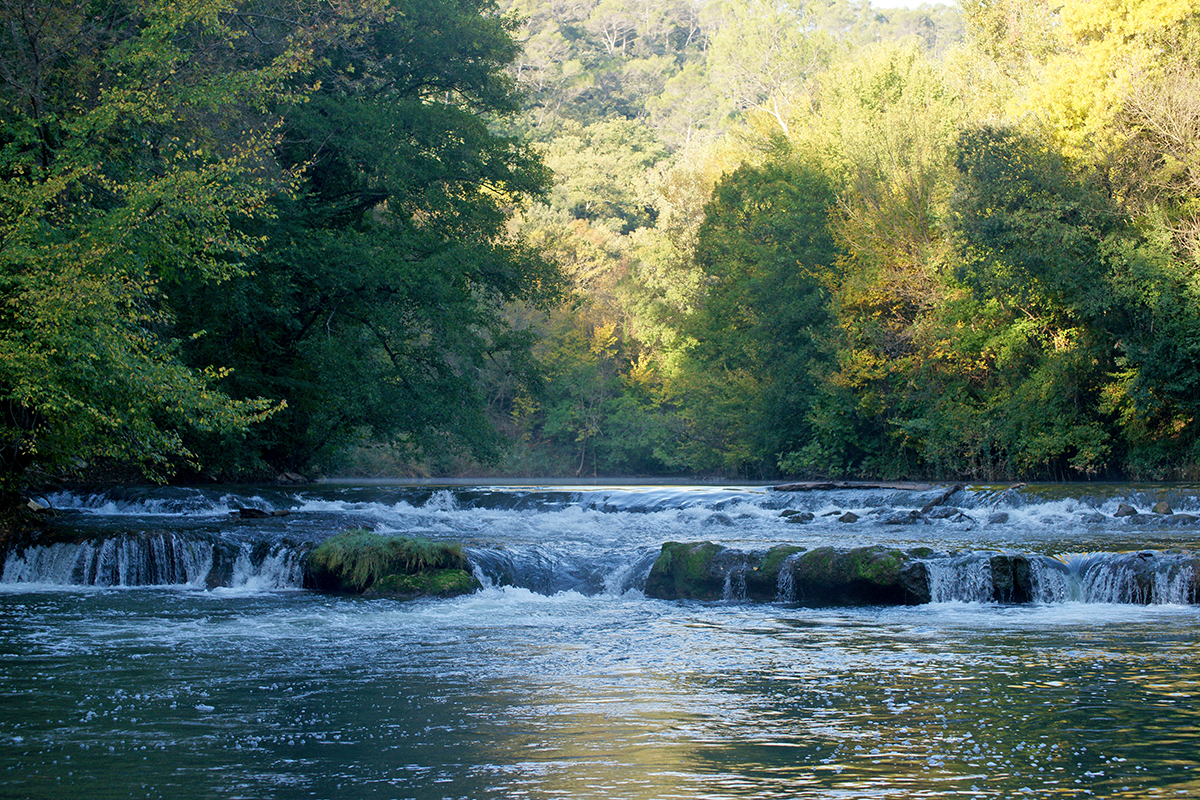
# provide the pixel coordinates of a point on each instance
(862, 576)
(693, 571)
(944, 512)
(361, 562)
(822, 577)
(763, 581)
(1012, 579)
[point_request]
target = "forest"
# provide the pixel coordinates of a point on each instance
(728, 238)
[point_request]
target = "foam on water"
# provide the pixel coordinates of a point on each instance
(962, 579)
(603, 540)
(509, 692)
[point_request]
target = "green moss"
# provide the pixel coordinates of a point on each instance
(864, 575)
(357, 561)
(776, 556)
(875, 565)
(686, 571)
(439, 583)
(697, 560)
(762, 582)
(818, 562)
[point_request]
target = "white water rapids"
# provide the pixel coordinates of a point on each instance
(164, 649)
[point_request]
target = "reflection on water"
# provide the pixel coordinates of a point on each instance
(588, 689)
(156, 693)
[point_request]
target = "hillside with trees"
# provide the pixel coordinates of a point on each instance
(834, 241)
(599, 237)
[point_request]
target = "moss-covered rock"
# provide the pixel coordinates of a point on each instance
(694, 571)
(822, 577)
(361, 562)
(762, 582)
(862, 576)
(437, 583)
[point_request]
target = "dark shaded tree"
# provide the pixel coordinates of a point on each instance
(375, 298)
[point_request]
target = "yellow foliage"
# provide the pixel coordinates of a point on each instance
(1108, 49)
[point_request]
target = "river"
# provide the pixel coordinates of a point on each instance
(166, 649)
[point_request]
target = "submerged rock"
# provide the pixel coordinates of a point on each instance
(944, 512)
(902, 518)
(941, 499)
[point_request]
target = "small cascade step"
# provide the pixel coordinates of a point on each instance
(882, 576)
(154, 559)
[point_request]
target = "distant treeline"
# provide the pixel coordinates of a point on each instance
(835, 241)
(618, 237)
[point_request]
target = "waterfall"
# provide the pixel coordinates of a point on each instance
(605, 541)
(1143, 578)
(785, 587)
(279, 567)
(1057, 579)
(152, 559)
(735, 585)
(966, 579)
(155, 559)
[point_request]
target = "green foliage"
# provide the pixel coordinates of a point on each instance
(748, 238)
(115, 179)
(377, 301)
(359, 560)
(759, 331)
(599, 168)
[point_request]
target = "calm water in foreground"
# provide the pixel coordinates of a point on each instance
(263, 690)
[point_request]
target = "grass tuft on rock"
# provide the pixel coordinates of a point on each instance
(357, 561)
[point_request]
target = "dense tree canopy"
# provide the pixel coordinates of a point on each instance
(115, 180)
(377, 296)
(224, 212)
(1008, 228)
(603, 236)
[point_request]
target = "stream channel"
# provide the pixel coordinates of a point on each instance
(167, 649)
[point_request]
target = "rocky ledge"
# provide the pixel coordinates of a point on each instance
(821, 577)
(880, 575)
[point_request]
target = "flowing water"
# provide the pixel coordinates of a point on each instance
(164, 648)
